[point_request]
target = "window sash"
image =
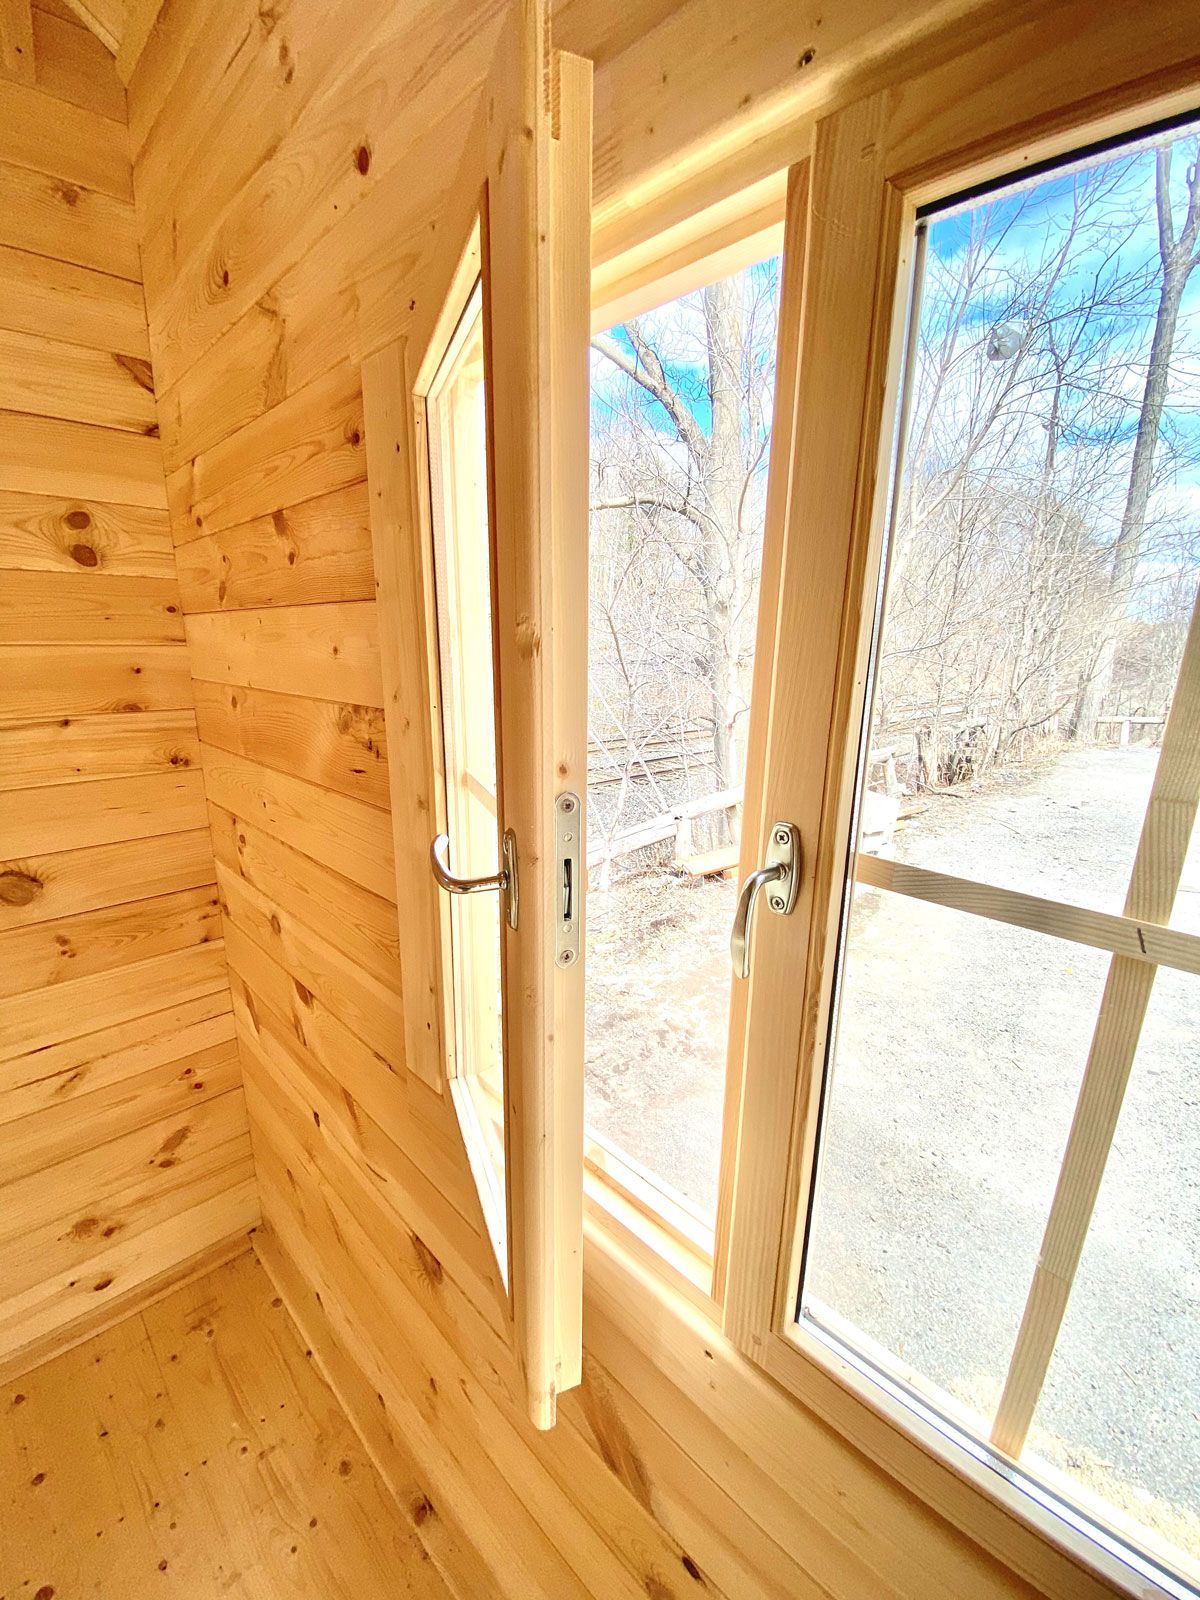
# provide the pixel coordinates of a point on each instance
(954, 125)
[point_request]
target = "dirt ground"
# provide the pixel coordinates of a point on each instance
(960, 1050)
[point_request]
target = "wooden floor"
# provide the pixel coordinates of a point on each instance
(194, 1451)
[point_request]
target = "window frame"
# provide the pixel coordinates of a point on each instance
(620, 1195)
(945, 131)
(517, 212)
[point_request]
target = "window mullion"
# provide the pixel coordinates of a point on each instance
(1158, 866)
(1139, 938)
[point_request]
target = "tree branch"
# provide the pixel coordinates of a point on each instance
(647, 370)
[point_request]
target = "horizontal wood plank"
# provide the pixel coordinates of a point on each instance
(50, 377)
(44, 455)
(64, 141)
(71, 816)
(80, 680)
(317, 551)
(65, 749)
(335, 744)
(68, 1244)
(71, 64)
(261, 227)
(310, 445)
(34, 1020)
(126, 1265)
(66, 1072)
(16, 41)
(37, 888)
(278, 1066)
(48, 533)
(327, 651)
(40, 295)
(73, 947)
(88, 607)
(362, 925)
(54, 217)
(58, 1134)
(348, 836)
(371, 1010)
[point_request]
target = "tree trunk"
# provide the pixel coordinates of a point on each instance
(723, 482)
(1178, 263)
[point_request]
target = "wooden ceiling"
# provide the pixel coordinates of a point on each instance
(122, 26)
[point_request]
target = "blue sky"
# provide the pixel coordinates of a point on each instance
(1124, 240)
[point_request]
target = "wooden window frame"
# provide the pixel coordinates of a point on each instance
(622, 1196)
(1032, 94)
(518, 212)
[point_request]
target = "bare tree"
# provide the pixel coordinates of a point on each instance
(677, 526)
(1178, 259)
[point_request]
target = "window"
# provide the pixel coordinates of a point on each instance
(680, 437)
(456, 411)
(983, 1169)
(1042, 576)
(476, 420)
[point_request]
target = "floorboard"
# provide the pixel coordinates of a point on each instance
(192, 1452)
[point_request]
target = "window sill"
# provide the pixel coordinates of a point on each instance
(661, 1235)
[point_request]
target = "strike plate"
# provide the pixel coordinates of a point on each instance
(568, 854)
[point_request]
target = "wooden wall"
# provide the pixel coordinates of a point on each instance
(290, 170)
(124, 1150)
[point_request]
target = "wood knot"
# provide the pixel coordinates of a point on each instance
(362, 159)
(78, 520)
(431, 1267)
(422, 1509)
(84, 555)
(19, 888)
(138, 369)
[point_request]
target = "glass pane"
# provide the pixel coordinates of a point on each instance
(960, 1048)
(457, 419)
(681, 419)
(1043, 565)
(1042, 571)
(1120, 1412)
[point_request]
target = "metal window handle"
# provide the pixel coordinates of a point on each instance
(781, 871)
(505, 880)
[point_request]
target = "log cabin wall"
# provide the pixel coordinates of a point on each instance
(290, 165)
(124, 1150)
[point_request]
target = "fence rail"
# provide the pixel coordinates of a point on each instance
(674, 824)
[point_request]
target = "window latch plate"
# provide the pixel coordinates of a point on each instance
(568, 855)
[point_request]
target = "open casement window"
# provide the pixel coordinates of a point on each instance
(965, 1067)
(477, 433)
(683, 370)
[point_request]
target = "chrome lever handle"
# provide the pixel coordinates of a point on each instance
(505, 880)
(782, 870)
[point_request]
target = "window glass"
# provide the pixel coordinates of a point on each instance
(681, 422)
(1041, 579)
(1118, 1415)
(457, 423)
(960, 1049)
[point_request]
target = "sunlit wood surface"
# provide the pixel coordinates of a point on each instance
(194, 1450)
